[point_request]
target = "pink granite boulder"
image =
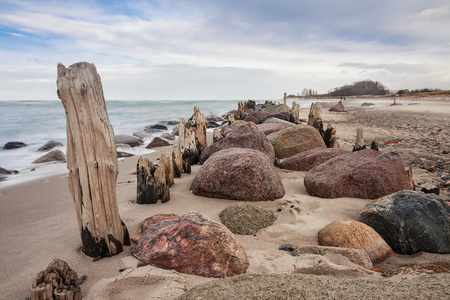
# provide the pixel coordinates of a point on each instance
(347, 233)
(366, 174)
(307, 160)
(247, 136)
(268, 128)
(192, 244)
(338, 107)
(157, 142)
(156, 219)
(238, 174)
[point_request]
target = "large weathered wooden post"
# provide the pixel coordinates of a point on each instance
(91, 160)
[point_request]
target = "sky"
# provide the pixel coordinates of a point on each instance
(244, 49)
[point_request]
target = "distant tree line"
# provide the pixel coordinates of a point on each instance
(365, 87)
(416, 91)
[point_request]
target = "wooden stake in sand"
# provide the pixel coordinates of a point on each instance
(359, 143)
(91, 160)
(192, 138)
(315, 118)
(151, 182)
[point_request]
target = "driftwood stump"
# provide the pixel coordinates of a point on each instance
(58, 281)
(192, 139)
(330, 137)
(295, 116)
(217, 135)
(91, 160)
(151, 182)
(315, 118)
(168, 166)
(177, 159)
(359, 143)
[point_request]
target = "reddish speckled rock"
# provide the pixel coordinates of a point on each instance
(244, 136)
(307, 160)
(338, 107)
(192, 244)
(347, 233)
(268, 128)
(366, 174)
(239, 174)
(252, 119)
(157, 142)
(156, 219)
(295, 139)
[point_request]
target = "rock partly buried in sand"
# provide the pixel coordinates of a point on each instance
(284, 116)
(258, 114)
(55, 155)
(246, 218)
(411, 222)
(295, 139)
(155, 128)
(307, 160)
(348, 233)
(337, 108)
(121, 154)
(268, 128)
(192, 244)
(238, 174)
(157, 142)
(155, 219)
(128, 139)
(50, 145)
(58, 281)
(356, 256)
(366, 174)
(247, 136)
(14, 145)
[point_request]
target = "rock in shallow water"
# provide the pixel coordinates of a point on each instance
(192, 244)
(50, 145)
(55, 155)
(238, 174)
(411, 222)
(14, 145)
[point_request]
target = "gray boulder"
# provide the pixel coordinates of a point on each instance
(14, 145)
(50, 145)
(295, 139)
(52, 156)
(128, 139)
(411, 222)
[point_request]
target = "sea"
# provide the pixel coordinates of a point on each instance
(35, 122)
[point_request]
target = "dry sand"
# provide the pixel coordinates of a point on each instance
(38, 221)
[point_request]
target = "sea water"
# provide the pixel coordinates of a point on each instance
(37, 122)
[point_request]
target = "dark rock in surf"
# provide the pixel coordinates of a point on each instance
(50, 145)
(14, 145)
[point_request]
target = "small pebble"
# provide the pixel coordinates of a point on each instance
(121, 270)
(82, 279)
(286, 247)
(278, 210)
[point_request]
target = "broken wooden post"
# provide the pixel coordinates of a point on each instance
(315, 118)
(285, 99)
(177, 159)
(151, 182)
(359, 143)
(330, 137)
(192, 138)
(217, 135)
(295, 115)
(168, 166)
(58, 281)
(91, 160)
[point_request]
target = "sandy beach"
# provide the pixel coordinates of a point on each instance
(38, 220)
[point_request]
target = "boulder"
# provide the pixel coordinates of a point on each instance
(252, 119)
(258, 114)
(307, 160)
(347, 233)
(338, 107)
(215, 118)
(284, 116)
(367, 104)
(192, 244)
(168, 136)
(246, 218)
(55, 155)
(366, 174)
(155, 219)
(123, 146)
(157, 142)
(295, 139)
(128, 139)
(155, 128)
(276, 120)
(411, 222)
(5, 172)
(142, 135)
(14, 145)
(212, 124)
(247, 136)
(238, 174)
(121, 154)
(356, 256)
(268, 128)
(50, 145)
(277, 108)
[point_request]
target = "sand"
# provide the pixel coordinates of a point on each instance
(38, 221)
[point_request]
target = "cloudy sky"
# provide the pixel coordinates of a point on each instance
(243, 49)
